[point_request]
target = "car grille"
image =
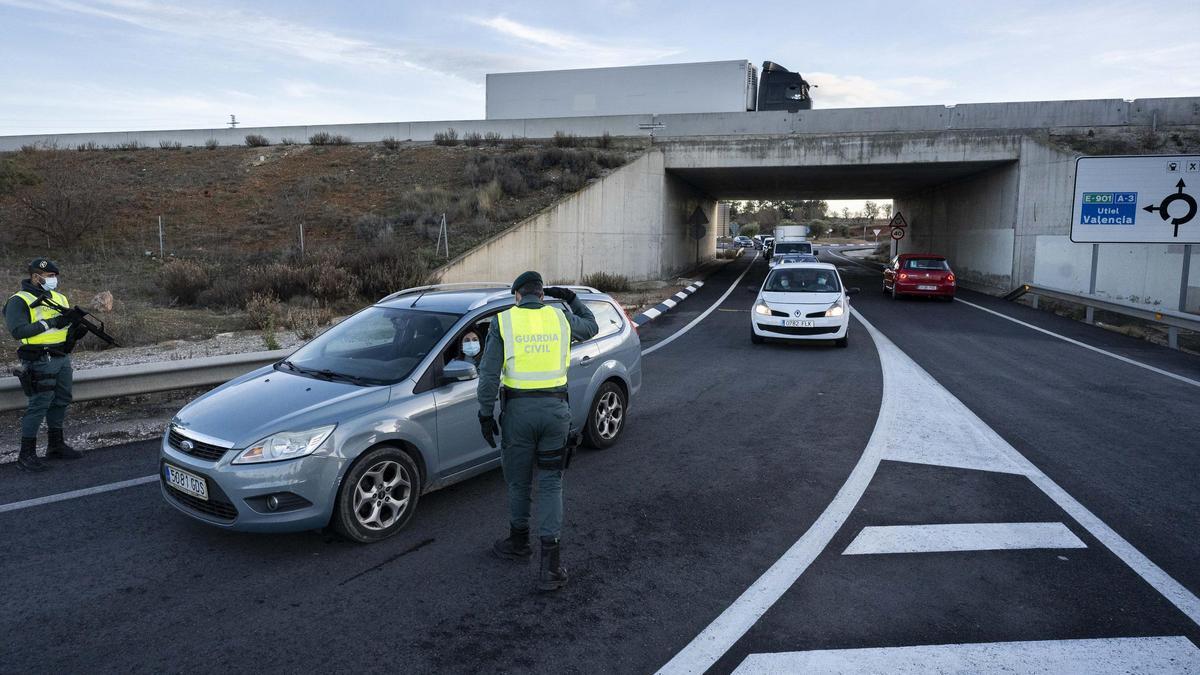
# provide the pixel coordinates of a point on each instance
(199, 449)
(218, 505)
(791, 330)
(814, 315)
(776, 312)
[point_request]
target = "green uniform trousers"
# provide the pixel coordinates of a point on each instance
(529, 425)
(53, 395)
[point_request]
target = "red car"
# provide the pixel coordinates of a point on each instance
(919, 274)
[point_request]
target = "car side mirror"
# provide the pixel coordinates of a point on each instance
(459, 371)
(853, 291)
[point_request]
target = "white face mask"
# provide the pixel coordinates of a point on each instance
(471, 347)
(50, 283)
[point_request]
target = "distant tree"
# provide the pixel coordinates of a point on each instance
(871, 210)
(817, 229)
(887, 210)
(748, 230)
(68, 202)
(845, 213)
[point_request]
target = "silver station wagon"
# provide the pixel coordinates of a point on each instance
(353, 427)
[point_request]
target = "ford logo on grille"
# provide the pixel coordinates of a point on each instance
(799, 313)
(187, 446)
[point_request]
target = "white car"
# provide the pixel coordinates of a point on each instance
(802, 301)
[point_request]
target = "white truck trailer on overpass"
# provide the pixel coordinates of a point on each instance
(715, 86)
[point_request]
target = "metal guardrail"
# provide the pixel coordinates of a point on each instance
(147, 378)
(1174, 320)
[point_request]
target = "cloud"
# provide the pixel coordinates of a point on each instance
(569, 49)
(854, 91)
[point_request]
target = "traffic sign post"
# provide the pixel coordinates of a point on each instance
(876, 230)
(1136, 200)
(897, 233)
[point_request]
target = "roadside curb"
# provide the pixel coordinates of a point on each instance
(666, 305)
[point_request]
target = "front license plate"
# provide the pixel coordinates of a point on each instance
(794, 323)
(926, 288)
(188, 482)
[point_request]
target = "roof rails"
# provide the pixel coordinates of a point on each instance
(437, 287)
(500, 296)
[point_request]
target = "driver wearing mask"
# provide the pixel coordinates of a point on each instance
(469, 348)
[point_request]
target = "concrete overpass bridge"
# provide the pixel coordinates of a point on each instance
(987, 184)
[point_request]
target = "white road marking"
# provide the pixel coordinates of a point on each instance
(669, 302)
(1051, 657)
(942, 431)
(663, 343)
(1124, 359)
(961, 537)
(651, 313)
(73, 494)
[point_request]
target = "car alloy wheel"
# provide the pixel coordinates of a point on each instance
(606, 419)
(382, 495)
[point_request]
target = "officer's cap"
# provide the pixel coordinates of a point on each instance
(529, 277)
(42, 265)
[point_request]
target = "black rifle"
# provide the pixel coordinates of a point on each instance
(81, 324)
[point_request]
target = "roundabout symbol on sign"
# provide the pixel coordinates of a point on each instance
(897, 233)
(1166, 204)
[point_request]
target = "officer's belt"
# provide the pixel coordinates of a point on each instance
(32, 353)
(534, 393)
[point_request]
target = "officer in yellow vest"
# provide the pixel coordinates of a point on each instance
(42, 332)
(528, 353)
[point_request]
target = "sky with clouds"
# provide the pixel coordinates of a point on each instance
(75, 65)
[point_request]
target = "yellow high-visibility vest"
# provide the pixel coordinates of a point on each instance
(537, 347)
(53, 336)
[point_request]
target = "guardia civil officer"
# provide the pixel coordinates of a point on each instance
(529, 355)
(41, 330)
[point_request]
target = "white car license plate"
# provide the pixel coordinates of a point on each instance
(926, 288)
(188, 482)
(796, 323)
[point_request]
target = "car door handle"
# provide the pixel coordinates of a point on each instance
(585, 361)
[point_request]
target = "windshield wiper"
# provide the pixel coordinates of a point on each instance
(289, 365)
(331, 375)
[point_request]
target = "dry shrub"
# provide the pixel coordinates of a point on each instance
(391, 143)
(263, 310)
(608, 283)
(447, 137)
(307, 322)
(565, 140)
(256, 141)
(493, 138)
(332, 283)
(212, 144)
(170, 145)
(473, 139)
(184, 280)
(326, 138)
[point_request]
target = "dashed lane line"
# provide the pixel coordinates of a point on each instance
(876, 540)
(1104, 656)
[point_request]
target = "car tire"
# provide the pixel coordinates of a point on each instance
(842, 342)
(367, 508)
(606, 416)
(895, 295)
(755, 337)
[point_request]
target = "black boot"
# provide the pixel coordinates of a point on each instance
(553, 575)
(28, 459)
(58, 447)
(513, 547)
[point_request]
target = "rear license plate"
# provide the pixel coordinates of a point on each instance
(187, 482)
(926, 288)
(794, 323)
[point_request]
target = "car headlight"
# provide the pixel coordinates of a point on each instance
(761, 308)
(836, 310)
(285, 445)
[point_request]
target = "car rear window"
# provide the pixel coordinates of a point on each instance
(926, 264)
(607, 317)
(793, 248)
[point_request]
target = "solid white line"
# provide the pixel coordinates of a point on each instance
(63, 496)
(961, 537)
(692, 324)
(1064, 338)
(1051, 657)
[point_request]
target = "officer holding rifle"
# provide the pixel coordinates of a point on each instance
(42, 320)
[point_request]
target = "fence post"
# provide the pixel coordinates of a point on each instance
(161, 255)
(301, 240)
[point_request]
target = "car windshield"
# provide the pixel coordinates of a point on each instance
(794, 247)
(378, 345)
(803, 280)
(925, 264)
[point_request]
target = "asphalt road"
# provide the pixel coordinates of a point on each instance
(733, 452)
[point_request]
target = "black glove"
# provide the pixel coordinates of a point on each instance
(489, 429)
(60, 321)
(565, 294)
